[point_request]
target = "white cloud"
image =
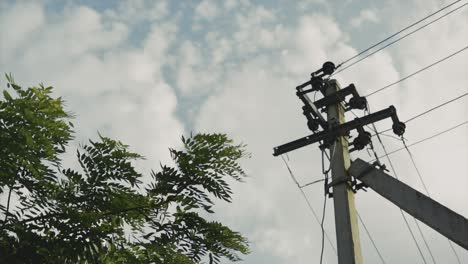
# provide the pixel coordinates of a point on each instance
(206, 9)
(245, 79)
(365, 16)
(230, 4)
(117, 90)
(307, 4)
(257, 105)
(137, 11)
(221, 51)
(33, 19)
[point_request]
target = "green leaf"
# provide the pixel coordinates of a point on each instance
(7, 95)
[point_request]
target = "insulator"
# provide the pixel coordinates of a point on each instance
(328, 68)
(399, 128)
(317, 83)
(362, 140)
(313, 124)
(358, 103)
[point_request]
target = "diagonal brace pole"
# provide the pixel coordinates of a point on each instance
(445, 221)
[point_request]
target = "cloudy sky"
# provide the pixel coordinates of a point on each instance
(147, 72)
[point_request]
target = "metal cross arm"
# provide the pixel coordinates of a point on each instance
(445, 221)
(333, 132)
(356, 102)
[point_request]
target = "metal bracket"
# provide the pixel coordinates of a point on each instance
(361, 185)
(356, 101)
(310, 107)
(343, 180)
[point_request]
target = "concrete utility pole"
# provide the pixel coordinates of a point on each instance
(347, 233)
(334, 135)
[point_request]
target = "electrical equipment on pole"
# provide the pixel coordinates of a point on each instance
(332, 133)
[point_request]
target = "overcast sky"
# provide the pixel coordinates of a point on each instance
(147, 72)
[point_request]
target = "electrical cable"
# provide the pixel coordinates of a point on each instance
(425, 188)
(323, 230)
(390, 136)
(417, 224)
(415, 166)
(396, 176)
(325, 173)
(370, 237)
(307, 201)
(398, 39)
(429, 110)
(398, 32)
(401, 211)
(427, 192)
(324, 207)
(434, 108)
(418, 172)
(416, 72)
(310, 183)
(424, 240)
(427, 138)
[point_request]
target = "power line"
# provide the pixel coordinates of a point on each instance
(428, 138)
(430, 110)
(307, 201)
(325, 173)
(401, 211)
(416, 168)
(396, 33)
(436, 107)
(398, 39)
(396, 176)
(416, 72)
(321, 224)
(370, 237)
(425, 241)
(310, 183)
(428, 194)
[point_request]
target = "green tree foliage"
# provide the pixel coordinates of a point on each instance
(104, 213)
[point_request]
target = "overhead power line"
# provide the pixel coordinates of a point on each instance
(308, 203)
(400, 38)
(370, 238)
(398, 32)
(416, 72)
(401, 211)
(436, 107)
(418, 172)
(325, 174)
(428, 138)
(424, 240)
(321, 224)
(430, 110)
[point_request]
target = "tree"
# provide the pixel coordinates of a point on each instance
(104, 213)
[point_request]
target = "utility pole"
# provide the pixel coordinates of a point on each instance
(333, 133)
(347, 231)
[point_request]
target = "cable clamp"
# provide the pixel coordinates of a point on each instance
(339, 181)
(361, 185)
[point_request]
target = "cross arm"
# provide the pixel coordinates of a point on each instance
(342, 129)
